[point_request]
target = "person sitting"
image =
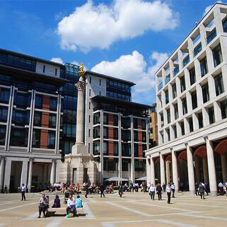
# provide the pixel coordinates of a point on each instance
(57, 202)
(71, 205)
(42, 205)
(79, 203)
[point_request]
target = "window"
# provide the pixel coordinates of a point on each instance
(89, 120)
(182, 84)
(89, 92)
(69, 130)
(125, 164)
(197, 49)
(162, 137)
(3, 114)
(219, 84)
(19, 137)
(115, 120)
(96, 147)
(176, 111)
(37, 118)
(115, 133)
(105, 118)
(175, 131)
(135, 135)
(143, 123)
(96, 118)
(194, 100)
(105, 147)
(167, 96)
(100, 82)
(223, 106)
(211, 114)
(44, 68)
(90, 79)
(126, 149)
(168, 134)
(20, 117)
(176, 70)
(140, 165)
(89, 132)
(22, 100)
(211, 36)
(182, 128)
(38, 101)
(135, 122)
(186, 60)
(115, 149)
(96, 132)
(217, 55)
(4, 95)
(205, 91)
(174, 90)
(53, 103)
(168, 116)
(109, 165)
(190, 122)
(89, 105)
(192, 75)
(184, 106)
(2, 134)
(136, 153)
(200, 119)
(52, 120)
(203, 67)
(51, 140)
(68, 146)
(56, 71)
(224, 24)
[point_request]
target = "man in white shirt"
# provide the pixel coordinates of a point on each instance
(71, 205)
(23, 190)
(152, 191)
(172, 189)
(168, 190)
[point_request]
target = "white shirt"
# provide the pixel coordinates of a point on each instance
(152, 189)
(23, 188)
(172, 186)
(168, 189)
(71, 202)
(220, 185)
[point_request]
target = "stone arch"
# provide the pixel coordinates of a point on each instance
(201, 152)
(221, 148)
(182, 155)
(169, 158)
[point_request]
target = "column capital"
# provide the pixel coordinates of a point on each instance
(186, 144)
(31, 159)
(3, 158)
(205, 137)
(80, 85)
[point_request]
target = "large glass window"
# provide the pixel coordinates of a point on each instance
(167, 96)
(219, 84)
(37, 118)
(109, 164)
(105, 118)
(192, 75)
(20, 117)
(115, 120)
(39, 101)
(135, 135)
(174, 90)
(3, 114)
(22, 100)
(223, 106)
(51, 140)
(211, 115)
(96, 132)
(115, 133)
(135, 123)
(68, 146)
(69, 116)
(105, 147)
(53, 103)
(96, 147)
(52, 120)
(69, 102)
(224, 24)
(126, 149)
(176, 111)
(136, 149)
(205, 91)
(182, 84)
(36, 138)
(140, 165)
(125, 122)
(184, 106)
(4, 95)
(19, 137)
(69, 130)
(2, 134)
(197, 49)
(194, 100)
(203, 66)
(125, 164)
(200, 119)
(168, 116)
(182, 128)
(126, 135)
(217, 55)
(190, 122)
(96, 118)
(115, 148)
(143, 122)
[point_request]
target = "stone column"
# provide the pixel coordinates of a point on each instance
(152, 171)
(162, 169)
(132, 170)
(80, 111)
(119, 147)
(191, 176)
(24, 173)
(168, 171)
(223, 167)
(211, 167)
(2, 173)
(197, 174)
(52, 173)
(205, 170)
(7, 173)
(57, 170)
(148, 169)
(175, 170)
(30, 174)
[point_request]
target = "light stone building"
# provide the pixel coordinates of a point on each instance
(191, 100)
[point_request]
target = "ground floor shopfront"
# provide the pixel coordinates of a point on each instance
(37, 173)
(199, 156)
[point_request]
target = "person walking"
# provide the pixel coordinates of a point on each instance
(101, 188)
(152, 191)
(173, 189)
(86, 189)
(168, 191)
(201, 190)
(23, 190)
(120, 190)
(159, 191)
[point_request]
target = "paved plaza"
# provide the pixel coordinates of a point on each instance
(134, 209)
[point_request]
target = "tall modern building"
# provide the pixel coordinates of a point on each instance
(30, 113)
(192, 108)
(116, 129)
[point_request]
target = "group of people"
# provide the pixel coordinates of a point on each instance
(169, 188)
(72, 205)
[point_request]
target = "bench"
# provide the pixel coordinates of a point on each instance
(62, 211)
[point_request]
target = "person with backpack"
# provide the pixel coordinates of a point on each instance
(159, 191)
(120, 190)
(202, 190)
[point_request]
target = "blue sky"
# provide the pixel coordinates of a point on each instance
(128, 39)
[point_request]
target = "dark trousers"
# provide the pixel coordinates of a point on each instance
(42, 209)
(86, 193)
(152, 194)
(202, 195)
(120, 193)
(72, 208)
(102, 194)
(173, 191)
(168, 195)
(23, 196)
(159, 196)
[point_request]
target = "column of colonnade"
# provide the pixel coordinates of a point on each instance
(192, 165)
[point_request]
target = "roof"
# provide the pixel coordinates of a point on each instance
(118, 101)
(28, 75)
(110, 77)
(197, 24)
(31, 57)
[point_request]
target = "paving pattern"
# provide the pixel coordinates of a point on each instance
(133, 209)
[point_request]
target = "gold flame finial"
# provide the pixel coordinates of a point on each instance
(81, 70)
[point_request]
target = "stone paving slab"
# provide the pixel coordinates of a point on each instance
(134, 209)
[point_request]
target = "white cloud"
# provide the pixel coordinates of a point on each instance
(134, 68)
(208, 8)
(98, 26)
(58, 60)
